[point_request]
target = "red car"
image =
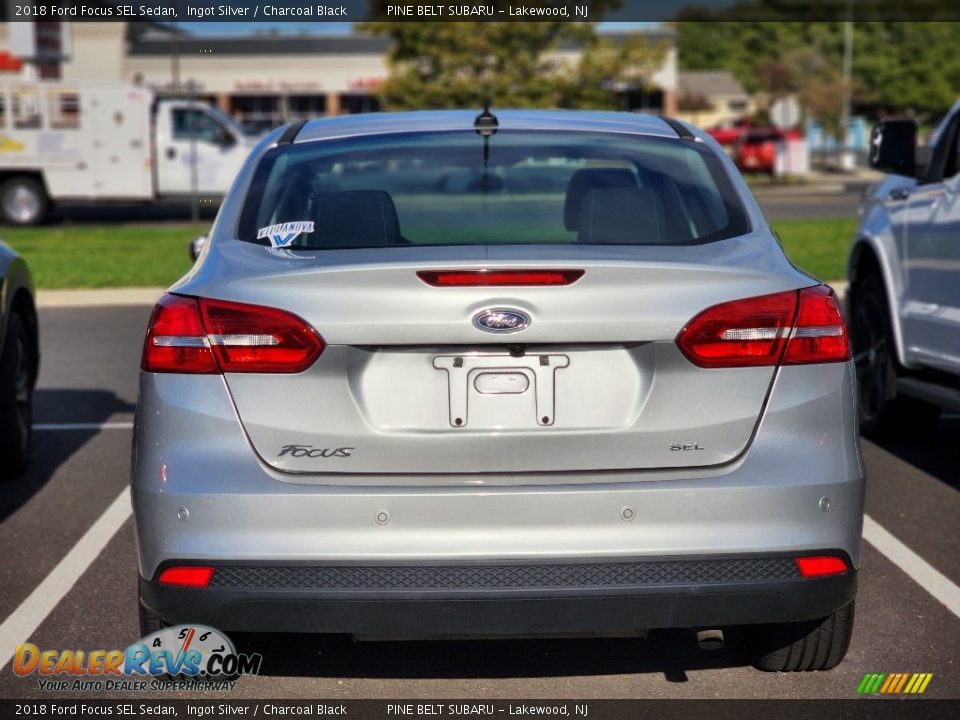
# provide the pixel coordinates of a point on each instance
(728, 132)
(756, 151)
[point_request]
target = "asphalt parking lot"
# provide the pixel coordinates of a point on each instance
(67, 580)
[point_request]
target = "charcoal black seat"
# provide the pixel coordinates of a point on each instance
(355, 218)
(587, 179)
(622, 216)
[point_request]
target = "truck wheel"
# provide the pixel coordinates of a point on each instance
(23, 201)
(880, 411)
(16, 398)
(811, 645)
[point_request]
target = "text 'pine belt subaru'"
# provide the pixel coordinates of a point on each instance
(533, 373)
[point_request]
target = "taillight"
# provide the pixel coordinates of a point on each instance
(176, 340)
(197, 335)
(794, 327)
(819, 333)
(497, 278)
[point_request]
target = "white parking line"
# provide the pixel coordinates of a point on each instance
(922, 572)
(23, 621)
(84, 426)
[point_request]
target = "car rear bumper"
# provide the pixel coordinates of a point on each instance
(615, 596)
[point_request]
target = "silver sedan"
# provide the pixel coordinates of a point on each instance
(532, 373)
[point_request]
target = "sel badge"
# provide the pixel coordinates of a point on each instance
(285, 233)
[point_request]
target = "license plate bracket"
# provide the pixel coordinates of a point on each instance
(539, 369)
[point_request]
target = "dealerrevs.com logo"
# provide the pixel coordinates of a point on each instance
(193, 657)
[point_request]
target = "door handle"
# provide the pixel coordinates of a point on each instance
(899, 193)
(171, 153)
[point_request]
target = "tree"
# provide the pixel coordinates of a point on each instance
(896, 66)
(511, 64)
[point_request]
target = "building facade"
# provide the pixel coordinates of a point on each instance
(266, 79)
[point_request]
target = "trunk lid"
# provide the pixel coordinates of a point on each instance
(408, 384)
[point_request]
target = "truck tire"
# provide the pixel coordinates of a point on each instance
(23, 201)
(881, 412)
(16, 398)
(811, 645)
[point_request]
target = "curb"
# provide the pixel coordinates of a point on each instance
(98, 297)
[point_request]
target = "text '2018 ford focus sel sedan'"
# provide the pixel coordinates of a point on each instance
(538, 373)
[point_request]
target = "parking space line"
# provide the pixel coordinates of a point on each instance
(919, 570)
(84, 426)
(23, 621)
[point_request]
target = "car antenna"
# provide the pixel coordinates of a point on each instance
(486, 124)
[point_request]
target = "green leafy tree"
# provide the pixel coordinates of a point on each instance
(896, 66)
(511, 64)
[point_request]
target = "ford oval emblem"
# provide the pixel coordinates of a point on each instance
(501, 320)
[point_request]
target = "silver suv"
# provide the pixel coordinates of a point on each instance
(530, 373)
(904, 274)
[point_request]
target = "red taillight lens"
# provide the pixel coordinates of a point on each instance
(176, 341)
(495, 278)
(195, 576)
(190, 335)
(740, 333)
(250, 338)
(819, 333)
(820, 565)
(797, 327)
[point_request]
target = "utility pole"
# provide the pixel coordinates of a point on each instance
(847, 83)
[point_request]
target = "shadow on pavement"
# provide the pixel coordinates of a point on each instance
(936, 453)
(53, 449)
(671, 653)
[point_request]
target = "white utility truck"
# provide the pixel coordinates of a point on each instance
(109, 143)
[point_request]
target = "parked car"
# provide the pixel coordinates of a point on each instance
(497, 409)
(729, 131)
(904, 273)
(756, 150)
(19, 362)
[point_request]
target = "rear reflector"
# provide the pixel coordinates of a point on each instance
(820, 565)
(195, 576)
(794, 327)
(197, 335)
(496, 278)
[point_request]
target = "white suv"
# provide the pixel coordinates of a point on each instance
(904, 273)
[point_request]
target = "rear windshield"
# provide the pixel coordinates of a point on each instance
(514, 188)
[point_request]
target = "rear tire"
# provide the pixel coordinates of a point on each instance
(23, 201)
(150, 622)
(811, 645)
(16, 398)
(881, 412)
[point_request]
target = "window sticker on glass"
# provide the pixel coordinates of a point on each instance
(283, 234)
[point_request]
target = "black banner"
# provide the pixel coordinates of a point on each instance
(474, 11)
(867, 709)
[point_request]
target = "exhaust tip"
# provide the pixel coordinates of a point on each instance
(710, 639)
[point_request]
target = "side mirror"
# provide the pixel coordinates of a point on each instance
(196, 245)
(893, 147)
